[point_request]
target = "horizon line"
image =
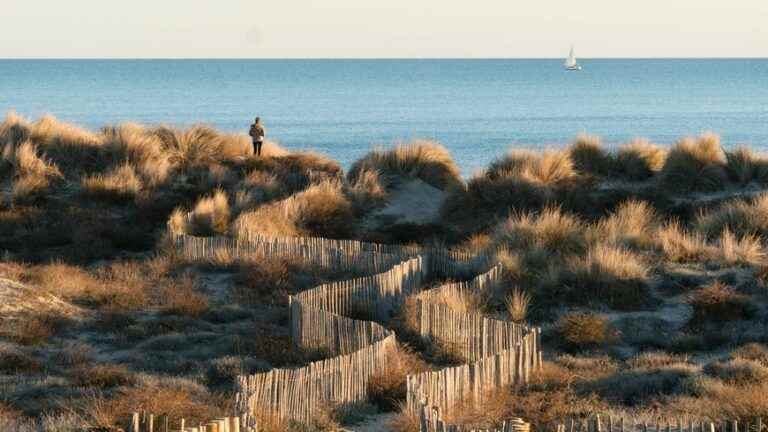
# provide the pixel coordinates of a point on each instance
(383, 58)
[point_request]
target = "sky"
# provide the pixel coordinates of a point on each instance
(382, 29)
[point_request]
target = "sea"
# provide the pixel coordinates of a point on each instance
(478, 109)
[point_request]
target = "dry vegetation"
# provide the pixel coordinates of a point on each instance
(646, 268)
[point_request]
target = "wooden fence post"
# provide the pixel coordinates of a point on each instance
(134, 427)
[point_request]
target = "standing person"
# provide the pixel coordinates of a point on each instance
(257, 133)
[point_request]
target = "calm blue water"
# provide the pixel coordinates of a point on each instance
(477, 108)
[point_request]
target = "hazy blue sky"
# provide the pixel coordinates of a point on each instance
(391, 28)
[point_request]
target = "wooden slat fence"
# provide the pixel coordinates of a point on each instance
(221, 248)
(430, 420)
(319, 318)
(499, 353)
(147, 422)
(340, 317)
(298, 393)
(599, 423)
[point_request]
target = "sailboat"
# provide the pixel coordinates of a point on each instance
(570, 62)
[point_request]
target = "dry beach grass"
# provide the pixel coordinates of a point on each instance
(645, 267)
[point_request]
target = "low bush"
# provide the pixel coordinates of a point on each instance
(738, 371)
(742, 165)
(36, 329)
(719, 302)
(656, 360)
(754, 351)
(101, 375)
(13, 360)
(179, 297)
(637, 386)
(583, 330)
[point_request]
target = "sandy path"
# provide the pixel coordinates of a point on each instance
(377, 423)
(413, 201)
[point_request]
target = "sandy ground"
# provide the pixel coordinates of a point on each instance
(413, 202)
(18, 300)
(377, 423)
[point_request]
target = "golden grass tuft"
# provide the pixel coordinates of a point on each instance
(71, 147)
(517, 304)
(549, 168)
(695, 165)
(422, 159)
(639, 160)
(210, 216)
(606, 274)
(552, 230)
(589, 156)
(747, 250)
(631, 224)
(320, 210)
(680, 245)
(387, 389)
(120, 184)
(368, 191)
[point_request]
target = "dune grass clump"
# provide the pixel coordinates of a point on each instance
(741, 217)
(753, 351)
(320, 210)
(639, 160)
(738, 371)
(695, 165)
(119, 185)
(718, 302)
(606, 274)
(14, 129)
(639, 386)
(655, 359)
(422, 159)
(33, 174)
(550, 168)
(552, 230)
(747, 250)
(367, 191)
(210, 216)
(680, 245)
(583, 330)
(743, 166)
(589, 156)
(387, 389)
(72, 148)
(517, 304)
(632, 224)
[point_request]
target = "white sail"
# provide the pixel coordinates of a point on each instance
(571, 60)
